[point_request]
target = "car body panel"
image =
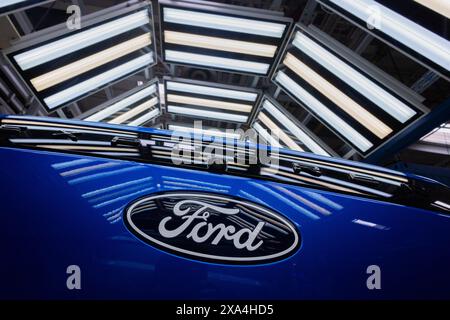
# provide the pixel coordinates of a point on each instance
(63, 209)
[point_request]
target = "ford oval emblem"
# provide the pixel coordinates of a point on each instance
(212, 227)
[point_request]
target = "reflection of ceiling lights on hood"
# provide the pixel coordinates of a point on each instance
(442, 205)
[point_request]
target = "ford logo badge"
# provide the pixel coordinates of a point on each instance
(212, 227)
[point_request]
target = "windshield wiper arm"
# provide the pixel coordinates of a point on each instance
(68, 134)
(125, 141)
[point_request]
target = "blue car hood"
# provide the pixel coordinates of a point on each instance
(65, 207)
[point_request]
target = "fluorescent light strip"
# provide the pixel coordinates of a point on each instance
(268, 137)
(91, 62)
(220, 116)
(226, 23)
(291, 126)
(69, 44)
(217, 62)
(277, 131)
(93, 83)
(403, 30)
(209, 103)
(340, 99)
(210, 91)
(323, 112)
(135, 111)
(122, 104)
(359, 82)
(143, 119)
(220, 44)
(6, 3)
(440, 6)
(215, 133)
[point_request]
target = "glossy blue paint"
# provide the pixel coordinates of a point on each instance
(60, 209)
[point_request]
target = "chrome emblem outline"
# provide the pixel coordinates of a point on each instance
(204, 257)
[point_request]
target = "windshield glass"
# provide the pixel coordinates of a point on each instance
(225, 156)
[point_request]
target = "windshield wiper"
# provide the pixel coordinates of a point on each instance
(310, 169)
(11, 129)
(68, 134)
(125, 142)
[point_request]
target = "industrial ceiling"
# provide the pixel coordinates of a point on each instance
(334, 78)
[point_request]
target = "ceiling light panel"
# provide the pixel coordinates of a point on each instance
(9, 6)
(275, 125)
(441, 7)
(439, 136)
(360, 109)
(222, 38)
(209, 100)
(424, 40)
(62, 67)
(133, 108)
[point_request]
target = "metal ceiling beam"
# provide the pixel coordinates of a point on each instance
(5, 108)
(431, 148)
(75, 109)
(24, 22)
(425, 81)
(276, 5)
(61, 113)
(411, 134)
(35, 109)
(307, 16)
(85, 9)
(364, 43)
(109, 93)
(383, 77)
(81, 4)
(9, 32)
